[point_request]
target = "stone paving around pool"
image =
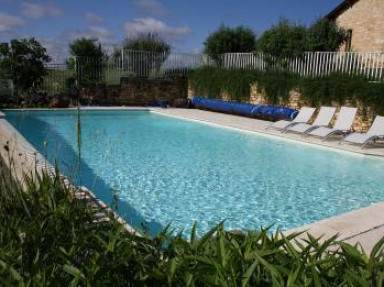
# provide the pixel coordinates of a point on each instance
(259, 126)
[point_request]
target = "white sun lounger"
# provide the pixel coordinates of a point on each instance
(304, 116)
(375, 132)
(322, 120)
(343, 124)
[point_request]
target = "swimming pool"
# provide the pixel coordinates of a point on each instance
(166, 170)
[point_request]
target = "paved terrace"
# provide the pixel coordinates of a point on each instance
(365, 225)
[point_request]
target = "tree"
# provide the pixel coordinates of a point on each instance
(87, 60)
(229, 40)
(286, 39)
(325, 35)
(145, 53)
(23, 61)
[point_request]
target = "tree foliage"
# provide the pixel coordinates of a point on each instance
(87, 60)
(85, 47)
(229, 40)
(285, 39)
(288, 39)
(145, 53)
(50, 238)
(325, 36)
(148, 42)
(23, 61)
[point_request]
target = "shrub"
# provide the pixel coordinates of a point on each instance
(340, 88)
(23, 62)
(325, 35)
(148, 42)
(285, 39)
(229, 40)
(87, 61)
(212, 82)
(276, 85)
(288, 40)
(49, 238)
(148, 52)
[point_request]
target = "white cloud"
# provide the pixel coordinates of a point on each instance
(36, 11)
(93, 18)
(151, 7)
(103, 34)
(100, 32)
(58, 51)
(145, 25)
(9, 22)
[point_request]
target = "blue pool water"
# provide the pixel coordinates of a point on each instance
(166, 170)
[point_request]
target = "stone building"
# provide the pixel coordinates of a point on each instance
(364, 21)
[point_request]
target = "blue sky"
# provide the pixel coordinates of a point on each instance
(186, 23)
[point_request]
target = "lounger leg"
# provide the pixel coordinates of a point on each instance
(330, 134)
(306, 133)
(371, 139)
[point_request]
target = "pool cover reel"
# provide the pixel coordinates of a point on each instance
(257, 111)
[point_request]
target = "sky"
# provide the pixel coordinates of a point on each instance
(185, 23)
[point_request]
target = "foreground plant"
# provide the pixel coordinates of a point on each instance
(48, 237)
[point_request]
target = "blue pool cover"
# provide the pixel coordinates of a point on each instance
(265, 112)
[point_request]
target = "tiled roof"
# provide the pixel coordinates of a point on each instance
(340, 9)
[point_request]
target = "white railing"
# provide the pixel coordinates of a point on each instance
(312, 63)
(149, 64)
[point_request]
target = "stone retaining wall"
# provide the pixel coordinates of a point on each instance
(136, 92)
(362, 122)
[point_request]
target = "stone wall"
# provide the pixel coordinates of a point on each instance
(136, 92)
(366, 20)
(362, 122)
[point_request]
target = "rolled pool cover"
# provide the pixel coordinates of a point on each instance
(257, 111)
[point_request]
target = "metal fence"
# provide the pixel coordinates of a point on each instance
(58, 77)
(312, 64)
(110, 69)
(149, 64)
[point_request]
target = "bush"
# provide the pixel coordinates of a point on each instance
(340, 88)
(212, 82)
(288, 40)
(277, 85)
(325, 36)
(23, 61)
(229, 40)
(148, 52)
(285, 39)
(49, 238)
(87, 61)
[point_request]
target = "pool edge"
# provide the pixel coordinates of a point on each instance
(30, 161)
(350, 225)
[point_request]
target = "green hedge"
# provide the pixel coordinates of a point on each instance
(276, 85)
(211, 82)
(48, 238)
(341, 88)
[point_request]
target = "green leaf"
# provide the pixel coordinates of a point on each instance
(355, 279)
(354, 255)
(72, 270)
(248, 274)
(376, 249)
